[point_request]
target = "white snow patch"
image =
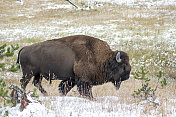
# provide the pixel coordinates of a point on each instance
(21, 2)
(107, 107)
(57, 6)
(34, 109)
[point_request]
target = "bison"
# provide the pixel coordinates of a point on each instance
(75, 60)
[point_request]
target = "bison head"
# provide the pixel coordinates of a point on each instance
(119, 68)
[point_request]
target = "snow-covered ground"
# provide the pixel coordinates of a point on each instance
(107, 106)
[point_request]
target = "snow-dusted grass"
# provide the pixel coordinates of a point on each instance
(34, 109)
(107, 106)
(145, 29)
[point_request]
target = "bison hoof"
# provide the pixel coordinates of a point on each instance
(93, 99)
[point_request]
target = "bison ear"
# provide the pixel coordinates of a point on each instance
(118, 59)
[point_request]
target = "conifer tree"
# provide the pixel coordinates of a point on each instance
(6, 52)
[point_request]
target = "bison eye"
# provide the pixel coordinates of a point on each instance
(124, 59)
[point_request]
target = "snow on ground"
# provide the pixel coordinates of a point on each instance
(32, 110)
(107, 107)
(57, 6)
(55, 28)
(74, 107)
(53, 31)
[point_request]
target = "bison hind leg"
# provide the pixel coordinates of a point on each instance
(37, 83)
(85, 90)
(65, 86)
(25, 80)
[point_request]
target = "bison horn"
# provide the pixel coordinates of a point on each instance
(118, 59)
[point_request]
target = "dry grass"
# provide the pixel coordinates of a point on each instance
(125, 91)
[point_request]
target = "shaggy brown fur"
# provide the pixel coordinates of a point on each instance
(91, 55)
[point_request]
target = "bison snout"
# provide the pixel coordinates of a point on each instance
(125, 77)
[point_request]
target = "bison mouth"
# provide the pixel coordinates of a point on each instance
(125, 77)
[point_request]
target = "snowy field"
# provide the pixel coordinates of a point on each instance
(107, 106)
(145, 29)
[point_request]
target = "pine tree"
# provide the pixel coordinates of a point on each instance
(146, 90)
(8, 51)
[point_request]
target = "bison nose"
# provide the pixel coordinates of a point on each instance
(129, 68)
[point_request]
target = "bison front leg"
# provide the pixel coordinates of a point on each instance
(37, 83)
(65, 86)
(85, 89)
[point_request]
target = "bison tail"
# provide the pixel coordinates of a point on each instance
(18, 59)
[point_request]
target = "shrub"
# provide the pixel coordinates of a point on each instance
(4, 93)
(8, 51)
(34, 93)
(13, 95)
(146, 90)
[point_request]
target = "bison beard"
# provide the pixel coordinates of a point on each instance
(76, 60)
